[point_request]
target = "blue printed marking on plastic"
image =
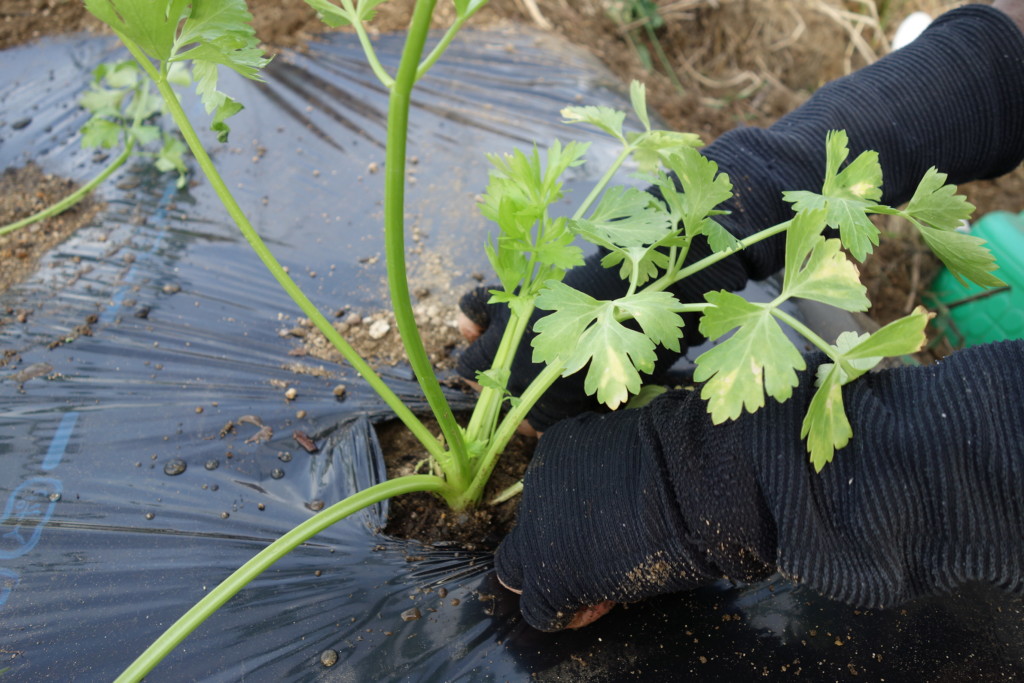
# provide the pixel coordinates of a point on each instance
(27, 511)
(59, 444)
(8, 581)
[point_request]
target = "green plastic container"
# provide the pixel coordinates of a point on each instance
(970, 315)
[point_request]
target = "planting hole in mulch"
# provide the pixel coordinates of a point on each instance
(23, 192)
(425, 517)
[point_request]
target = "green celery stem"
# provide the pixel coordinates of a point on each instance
(456, 466)
(488, 406)
(804, 330)
(253, 238)
(507, 429)
(262, 561)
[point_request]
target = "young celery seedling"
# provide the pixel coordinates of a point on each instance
(648, 239)
(121, 102)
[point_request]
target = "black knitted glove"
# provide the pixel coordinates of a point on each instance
(926, 497)
(601, 520)
(954, 98)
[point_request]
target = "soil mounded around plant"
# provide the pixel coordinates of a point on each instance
(426, 518)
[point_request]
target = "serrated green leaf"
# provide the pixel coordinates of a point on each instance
(825, 426)
(583, 330)
(525, 183)
(100, 132)
(509, 264)
(146, 134)
(607, 119)
(122, 75)
(558, 333)
(817, 269)
(845, 195)
(936, 211)
(703, 189)
(638, 98)
(335, 16)
(643, 263)
(937, 204)
(900, 337)
(210, 33)
(801, 236)
(494, 378)
(558, 160)
(221, 32)
(555, 247)
(331, 14)
(964, 255)
(625, 217)
(149, 25)
(858, 234)
(172, 158)
(657, 315)
(757, 359)
(618, 355)
(854, 365)
(215, 102)
(520, 189)
(652, 148)
(719, 239)
(102, 101)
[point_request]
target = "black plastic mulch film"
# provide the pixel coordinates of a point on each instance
(101, 550)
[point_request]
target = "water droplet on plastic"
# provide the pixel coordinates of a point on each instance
(174, 467)
(276, 473)
(329, 657)
(212, 464)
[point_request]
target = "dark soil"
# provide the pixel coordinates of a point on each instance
(424, 517)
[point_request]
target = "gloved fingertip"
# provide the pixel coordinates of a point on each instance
(588, 615)
(544, 617)
(474, 305)
(508, 565)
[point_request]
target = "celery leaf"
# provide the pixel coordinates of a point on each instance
(846, 194)
(607, 119)
(757, 359)
(817, 269)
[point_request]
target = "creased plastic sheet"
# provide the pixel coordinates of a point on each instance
(100, 549)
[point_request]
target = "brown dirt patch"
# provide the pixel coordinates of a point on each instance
(23, 192)
(375, 336)
(424, 517)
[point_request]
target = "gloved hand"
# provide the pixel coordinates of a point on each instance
(601, 520)
(926, 496)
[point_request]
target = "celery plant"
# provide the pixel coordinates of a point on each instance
(647, 239)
